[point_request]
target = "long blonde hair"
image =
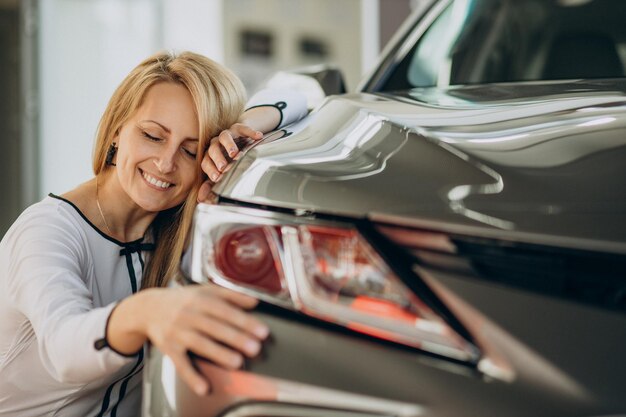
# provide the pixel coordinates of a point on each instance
(218, 96)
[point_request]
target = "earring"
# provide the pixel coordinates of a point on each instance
(110, 154)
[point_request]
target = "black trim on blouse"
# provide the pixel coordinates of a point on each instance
(107, 395)
(104, 342)
(123, 390)
(93, 226)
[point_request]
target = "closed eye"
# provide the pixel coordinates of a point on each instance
(150, 137)
(191, 154)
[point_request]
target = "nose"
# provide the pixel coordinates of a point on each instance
(164, 162)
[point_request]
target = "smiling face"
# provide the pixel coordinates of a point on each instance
(157, 147)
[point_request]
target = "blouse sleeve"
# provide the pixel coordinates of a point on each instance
(291, 104)
(45, 282)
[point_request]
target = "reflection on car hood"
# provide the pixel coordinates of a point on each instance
(538, 162)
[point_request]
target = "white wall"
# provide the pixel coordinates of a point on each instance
(348, 28)
(87, 47)
(194, 25)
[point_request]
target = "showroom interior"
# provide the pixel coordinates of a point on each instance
(423, 215)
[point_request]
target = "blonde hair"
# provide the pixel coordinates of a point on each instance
(218, 97)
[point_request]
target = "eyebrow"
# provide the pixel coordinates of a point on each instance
(165, 128)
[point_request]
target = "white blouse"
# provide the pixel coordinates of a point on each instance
(60, 277)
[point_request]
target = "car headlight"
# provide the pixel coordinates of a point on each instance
(321, 268)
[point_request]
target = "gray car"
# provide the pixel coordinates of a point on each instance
(450, 240)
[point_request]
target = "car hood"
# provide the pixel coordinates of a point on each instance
(537, 162)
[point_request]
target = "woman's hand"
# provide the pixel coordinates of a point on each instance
(223, 149)
(206, 320)
(215, 161)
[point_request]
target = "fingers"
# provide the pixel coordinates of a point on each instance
(216, 154)
(214, 162)
(208, 321)
(226, 139)
(204, 192)
(239, 130)
(209, 168)
(220, 331)
(188, 374)
(225, 306)
(213, 351)
(241, 300)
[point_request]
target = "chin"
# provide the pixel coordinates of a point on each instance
(155, 206)
(155, 201)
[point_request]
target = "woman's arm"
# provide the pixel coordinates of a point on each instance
(261, 118)
(44, 262)
(206, 320)
(290, 106)
(266, 111)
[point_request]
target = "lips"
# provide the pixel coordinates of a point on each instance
(155, 181)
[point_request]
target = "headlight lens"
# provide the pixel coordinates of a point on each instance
(323, 269)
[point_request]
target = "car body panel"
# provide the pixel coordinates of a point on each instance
(487, 165)
(555, 373)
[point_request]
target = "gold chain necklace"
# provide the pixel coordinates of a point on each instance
(100, 210)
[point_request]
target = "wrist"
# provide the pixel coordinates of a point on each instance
(127, 326)
(264, 118)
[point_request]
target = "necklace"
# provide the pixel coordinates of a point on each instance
(100, 210)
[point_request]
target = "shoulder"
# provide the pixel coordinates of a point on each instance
(52, 210)
(50, 220)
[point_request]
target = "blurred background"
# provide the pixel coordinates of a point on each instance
(60, 61)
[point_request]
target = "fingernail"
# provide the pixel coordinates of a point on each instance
(221, 166)
(233, 150)
(214, 176)
(262, 332)
(252, 347)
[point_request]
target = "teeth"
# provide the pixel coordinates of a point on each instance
(156, 182)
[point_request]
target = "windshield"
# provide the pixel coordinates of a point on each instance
(489, 41)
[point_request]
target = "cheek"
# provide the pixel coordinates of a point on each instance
(189, 177)
(124, 159)
(131, 152)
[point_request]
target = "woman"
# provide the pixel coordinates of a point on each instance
(68, 345)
